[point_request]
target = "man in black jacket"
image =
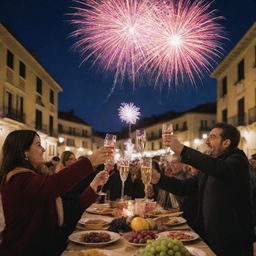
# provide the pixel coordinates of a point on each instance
(224, 218)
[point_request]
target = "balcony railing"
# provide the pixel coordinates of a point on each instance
(204, 128)
(252, 115)
(14, 114)
(77, 134)
(238, 120)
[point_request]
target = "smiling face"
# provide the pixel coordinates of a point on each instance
(71, 159)
(216, 144)
(35, 153)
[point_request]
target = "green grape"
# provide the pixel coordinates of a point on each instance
(170, 252)
(162, 254)
(153, 250)
(177, 254)
(158, 248)
(176, 248)
(170, 244)
(164, 248)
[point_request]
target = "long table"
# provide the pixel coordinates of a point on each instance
(125, 249)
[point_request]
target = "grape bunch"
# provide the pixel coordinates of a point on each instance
(140, 236)
(164, 246)
(119, 225)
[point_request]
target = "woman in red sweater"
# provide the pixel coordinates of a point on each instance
(31, 200)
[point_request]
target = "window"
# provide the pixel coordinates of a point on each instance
(152, 146)
(224, 86)
(51, 125)
(240, 70)
(185, 126)
(8, 102)
(225, 116)
(10, 59)
(60, 128)
(22, 70)
(177, 127)
(51, 150)
(203, 124)
(84, 144)
(72, 131)
(84, 133)
(71, 142)
(160, 144)
(19, 105)
(39, 118)
(241, 115)
(51, 96)
(39, 84)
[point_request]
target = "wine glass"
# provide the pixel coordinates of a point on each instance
(146, 172)
(123, 166)
(140, 140)
(110, 142)
(167, 130)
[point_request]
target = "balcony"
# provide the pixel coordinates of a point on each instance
(14, 114)
(238, 120)
(204, 128)
(252, 115)
(41, 127)
(77, 134)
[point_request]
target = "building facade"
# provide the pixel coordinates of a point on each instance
(28, 93)
(75, 135)
(236, 89)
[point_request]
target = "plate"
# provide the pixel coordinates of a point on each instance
(193, 236)
(178, 221)
(107, 220)
(82, 225)
(195, 251)
(76, 253)
(75, 238)
(101, 211)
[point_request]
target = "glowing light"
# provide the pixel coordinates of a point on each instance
(129, 113)
(197, 141)
(204, 136)
(168, 41)
(61, 139)
(80, 149)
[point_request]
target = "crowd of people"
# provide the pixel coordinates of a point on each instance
(43, 201)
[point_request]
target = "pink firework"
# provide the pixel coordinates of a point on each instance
(185, 41)
(169, 41)
(111, 32)
(129, 113)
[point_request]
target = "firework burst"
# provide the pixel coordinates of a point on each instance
(129, 113)
(170, 41)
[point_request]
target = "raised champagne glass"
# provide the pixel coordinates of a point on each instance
(123, 166)
(167, 130)
(146, 172)
(140, 140)
(110, 142)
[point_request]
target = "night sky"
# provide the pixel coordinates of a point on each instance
(43, 28)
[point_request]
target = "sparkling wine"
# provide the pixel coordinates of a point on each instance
(124, 171)
(140, 143)
(146, 175)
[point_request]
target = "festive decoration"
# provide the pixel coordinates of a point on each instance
(170, 41)
(129, 113)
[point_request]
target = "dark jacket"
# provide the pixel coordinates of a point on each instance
(224, 216)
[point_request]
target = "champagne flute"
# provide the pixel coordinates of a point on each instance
(110, 142)
(123, 166)
(167, 130)
(146, 172)
(140, 140)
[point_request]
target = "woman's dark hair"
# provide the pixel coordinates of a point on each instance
(13, 151)
(65, 156)
(229, 132)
